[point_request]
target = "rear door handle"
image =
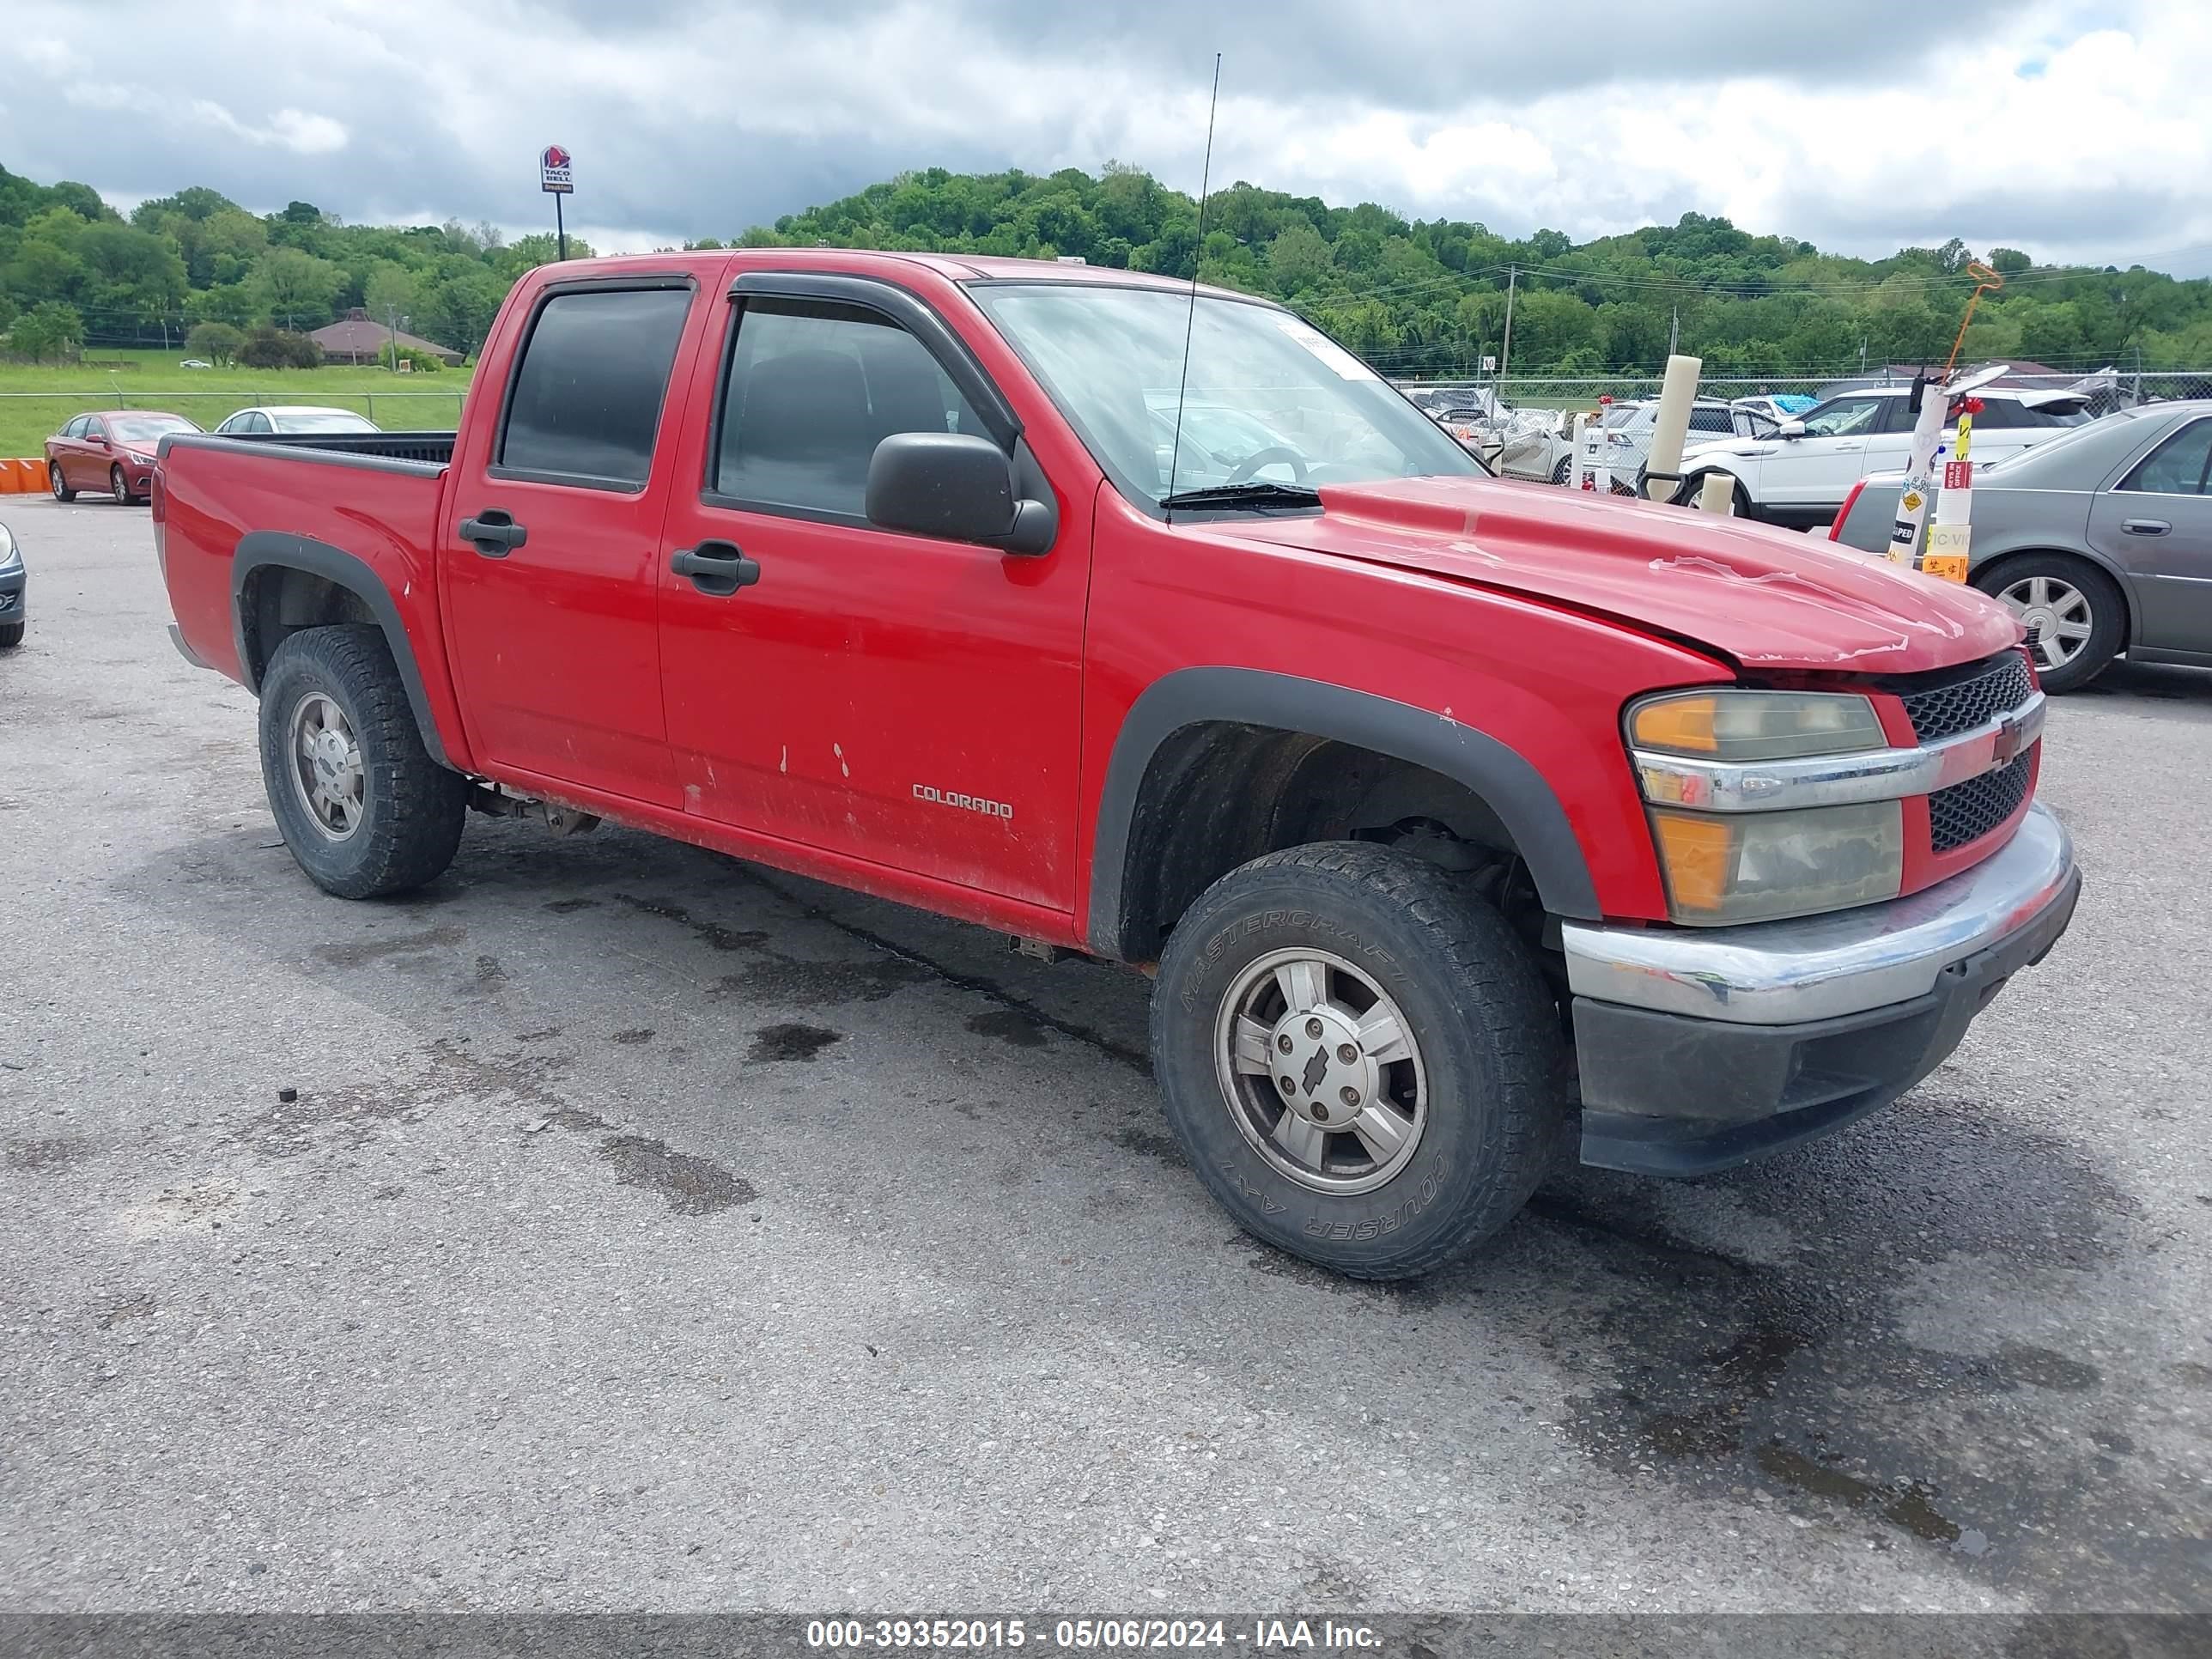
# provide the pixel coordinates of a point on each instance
(2145, 526)
(494, 534)
(719, 568)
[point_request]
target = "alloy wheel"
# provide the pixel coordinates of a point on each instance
(326, 765)
(2057, 615)
(1320, 1071)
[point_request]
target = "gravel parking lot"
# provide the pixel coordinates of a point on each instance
(615, 1225)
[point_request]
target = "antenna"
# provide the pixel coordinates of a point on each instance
(1190, 321)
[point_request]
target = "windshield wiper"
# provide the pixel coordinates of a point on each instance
(1256, 492)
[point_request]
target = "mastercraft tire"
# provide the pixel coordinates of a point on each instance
(1358, 1058)
(364, 809)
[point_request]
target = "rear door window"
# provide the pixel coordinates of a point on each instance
(1712, 420)
(2178, 466)
(585, 401)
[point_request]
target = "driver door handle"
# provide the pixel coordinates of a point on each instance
(2145, 526)
(493, 533)
(716, 568)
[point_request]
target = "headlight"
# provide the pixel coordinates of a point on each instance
(1755, 725)
(1759, 866)
(8, 554)
(1739, 748)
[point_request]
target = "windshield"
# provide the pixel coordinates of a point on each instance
(334, 420)
(1269, 399)
(139, 428)
(1621, 415)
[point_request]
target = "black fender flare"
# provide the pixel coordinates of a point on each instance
(1500, 775)
(264, 548)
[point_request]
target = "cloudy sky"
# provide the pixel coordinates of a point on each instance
(2073, 129)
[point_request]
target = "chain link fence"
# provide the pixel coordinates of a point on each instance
(2108, 388)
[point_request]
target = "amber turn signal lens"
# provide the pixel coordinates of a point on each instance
(1698, 855)
(1680, 725)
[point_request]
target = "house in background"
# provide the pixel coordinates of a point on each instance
(357, 338)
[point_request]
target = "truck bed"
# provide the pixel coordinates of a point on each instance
(431, 448)
(361, 508)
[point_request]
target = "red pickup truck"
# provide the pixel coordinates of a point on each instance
(1456, 817)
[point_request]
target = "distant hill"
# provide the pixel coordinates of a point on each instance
(1413, 296)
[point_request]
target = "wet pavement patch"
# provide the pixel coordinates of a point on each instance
(712, 933)
(1008, 1025)
(568, 907)
(692, 1185)
(822, 984)
(1799, 1379)
(781, 1042)
(1148, 1143)
(631, 1038)
(48, 1155)
(359, 953)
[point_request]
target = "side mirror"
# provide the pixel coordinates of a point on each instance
(99, 439)
(956, 487)
(1791, 429)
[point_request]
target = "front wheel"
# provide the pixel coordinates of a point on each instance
(11, 634)
(1358, 1058)
(2074, 617)
(119, 486)
(363, 808)
(1563, 470)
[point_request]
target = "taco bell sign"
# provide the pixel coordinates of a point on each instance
(554, 171)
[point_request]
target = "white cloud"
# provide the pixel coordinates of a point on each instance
(289, 128)
(2062, 127)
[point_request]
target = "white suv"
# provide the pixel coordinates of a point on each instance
(1802, 474)
(1624, 436)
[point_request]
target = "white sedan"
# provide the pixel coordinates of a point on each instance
(293, 418)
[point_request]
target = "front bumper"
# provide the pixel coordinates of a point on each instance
(14, 601)
(1699, 1049)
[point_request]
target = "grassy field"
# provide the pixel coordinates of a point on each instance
(35, 402)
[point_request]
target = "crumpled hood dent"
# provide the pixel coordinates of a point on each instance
(1768, 597)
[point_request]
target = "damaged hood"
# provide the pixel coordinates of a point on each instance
(1773, 599)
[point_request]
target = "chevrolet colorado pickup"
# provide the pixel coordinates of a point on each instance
(1460, 821)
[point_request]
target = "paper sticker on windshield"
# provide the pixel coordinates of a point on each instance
(1339, 362)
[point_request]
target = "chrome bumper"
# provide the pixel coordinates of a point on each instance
(1783, 973)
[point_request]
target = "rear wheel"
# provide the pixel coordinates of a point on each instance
(363, 808)
(2076, 619)
(61, 485)
(1358, 1058)
(1563, 469)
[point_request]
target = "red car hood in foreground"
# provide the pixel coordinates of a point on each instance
(1763, 596)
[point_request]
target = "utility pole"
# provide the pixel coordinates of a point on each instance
(1505, 351)
(1674, 333)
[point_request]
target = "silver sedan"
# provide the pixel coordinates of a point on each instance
(2100, 541)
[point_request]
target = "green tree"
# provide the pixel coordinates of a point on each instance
(296, 286)
(218, 342)
(1298, 258)
(49, 329)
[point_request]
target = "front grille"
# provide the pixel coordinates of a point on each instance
(1960, 702)
(1967, 812)
(8, 603)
